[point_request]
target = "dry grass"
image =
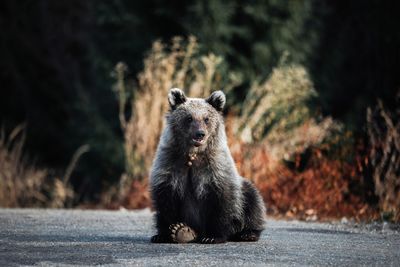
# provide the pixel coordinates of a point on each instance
(384, 157)
(20, 184)
(24, 185)
(277, 112)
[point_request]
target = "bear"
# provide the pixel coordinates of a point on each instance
(196, 190)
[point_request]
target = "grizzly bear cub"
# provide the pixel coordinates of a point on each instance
(196, 190)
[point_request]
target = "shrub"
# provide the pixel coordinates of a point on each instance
(317, 185)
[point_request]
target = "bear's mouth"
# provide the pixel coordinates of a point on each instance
(198, 141)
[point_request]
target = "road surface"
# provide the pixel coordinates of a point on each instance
(120, 238)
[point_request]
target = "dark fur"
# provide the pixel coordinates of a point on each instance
(209, 196)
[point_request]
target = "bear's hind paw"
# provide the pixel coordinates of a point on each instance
(181, 233)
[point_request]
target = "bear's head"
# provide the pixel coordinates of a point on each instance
(195, 121)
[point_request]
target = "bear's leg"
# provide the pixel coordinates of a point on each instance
(163, 233)
(167, 207)
(220, 218)
(254, 211)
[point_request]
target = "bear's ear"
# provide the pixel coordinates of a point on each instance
(176, 97)
(217, 100)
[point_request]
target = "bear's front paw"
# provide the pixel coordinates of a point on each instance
(212, 240)
(181, 233)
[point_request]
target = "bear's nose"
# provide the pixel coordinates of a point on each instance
(200, 134)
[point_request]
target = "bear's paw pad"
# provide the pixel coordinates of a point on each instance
(181, 233)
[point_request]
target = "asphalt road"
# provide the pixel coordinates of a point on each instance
(120, 238)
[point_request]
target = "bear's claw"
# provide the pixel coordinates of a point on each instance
(211, 240)
(247, 236)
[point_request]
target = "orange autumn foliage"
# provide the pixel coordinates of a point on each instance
(321, 189)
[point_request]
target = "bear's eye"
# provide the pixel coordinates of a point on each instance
(189, 119)
(206, 120)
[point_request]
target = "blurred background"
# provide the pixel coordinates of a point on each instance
(312, 87)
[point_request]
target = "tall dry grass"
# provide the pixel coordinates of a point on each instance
(20, 184)
(384, 137)
(24, 185)
(277, 112)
